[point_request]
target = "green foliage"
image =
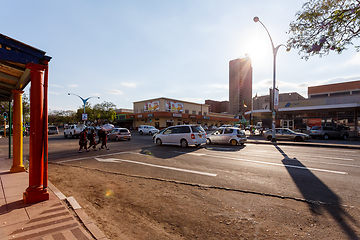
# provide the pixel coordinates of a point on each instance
(325, 25)
(4, 107)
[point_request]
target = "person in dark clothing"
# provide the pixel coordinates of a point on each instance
(91, 137)
(83, 141)
(103, 137)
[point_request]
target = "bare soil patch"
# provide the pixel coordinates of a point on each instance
(130, 207)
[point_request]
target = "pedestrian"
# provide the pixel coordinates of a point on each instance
(99, 134)
(83, 141)
(103, 137)
(91, 137)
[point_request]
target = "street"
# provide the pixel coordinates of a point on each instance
(325, 178)
(327, 175)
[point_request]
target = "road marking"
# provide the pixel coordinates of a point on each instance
(302, 155)
(158, 166)
(283, 165)
(277, 164)
(191, 153)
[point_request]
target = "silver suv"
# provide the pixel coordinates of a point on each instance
(327, 132)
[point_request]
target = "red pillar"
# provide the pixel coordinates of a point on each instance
(36, 191)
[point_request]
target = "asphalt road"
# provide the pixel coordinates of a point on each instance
(327, 175)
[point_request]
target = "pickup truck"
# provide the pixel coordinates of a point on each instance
(74, 131)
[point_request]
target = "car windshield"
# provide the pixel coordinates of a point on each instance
(315, 128)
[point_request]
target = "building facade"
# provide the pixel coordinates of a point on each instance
(328, 105)
(218, 106)
(165, 112)
(240, 86)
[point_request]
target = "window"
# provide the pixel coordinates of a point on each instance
(228, 131)
(186, 110)
(199, 112)
(197, 129)
(205, 113)
(185, 129)
(193, 112)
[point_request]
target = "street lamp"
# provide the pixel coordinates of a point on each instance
(84, 100)
(275, 49)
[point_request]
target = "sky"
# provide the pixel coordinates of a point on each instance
(129, 51)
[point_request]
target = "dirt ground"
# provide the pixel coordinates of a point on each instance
(132, 207)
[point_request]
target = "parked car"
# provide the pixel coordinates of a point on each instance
(286, 134)
(183, 135)
(119, 134)
(161, 131)
(145, 129)
(227, 135)
(327, 132)
(53, 130)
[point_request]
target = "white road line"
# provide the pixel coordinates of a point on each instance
(276, 164)
(158, 166)
(191, 153)
(302, 155)
(78, 159)
(283, 165)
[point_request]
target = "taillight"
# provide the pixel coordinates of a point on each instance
(192, 136)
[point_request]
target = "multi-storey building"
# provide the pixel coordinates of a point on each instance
(240, 86)
(218, 106)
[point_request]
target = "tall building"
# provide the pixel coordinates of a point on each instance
(218, 106)
(240, 86)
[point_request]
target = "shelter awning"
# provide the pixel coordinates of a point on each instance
(14, 56)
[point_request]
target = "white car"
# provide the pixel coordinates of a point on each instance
(183, 135)
(145, 129)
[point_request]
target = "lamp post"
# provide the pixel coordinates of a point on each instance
(84, 100)
(275, 49)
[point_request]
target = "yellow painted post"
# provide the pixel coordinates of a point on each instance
(18, 133)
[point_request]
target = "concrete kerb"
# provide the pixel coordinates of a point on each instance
(80, 213)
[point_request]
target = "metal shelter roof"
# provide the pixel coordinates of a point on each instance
(14, 56)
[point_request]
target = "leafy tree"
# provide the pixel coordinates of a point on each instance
(59, 117)
(325, 25)
(105, 111)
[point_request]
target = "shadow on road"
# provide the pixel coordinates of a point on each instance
(319, 196)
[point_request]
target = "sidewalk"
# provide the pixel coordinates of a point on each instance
(58, 218)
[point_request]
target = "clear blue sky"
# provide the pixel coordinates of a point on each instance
(126, 51)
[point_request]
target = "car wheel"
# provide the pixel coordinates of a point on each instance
(298, 139)
(65, 135)
(208, 141)
(158, 142)
(116, 138)
(72, 136)
(269, 138)
(150, 133)
(326, 137)
(345, 137)
(233, 142)
(184, 143)
(141, 133)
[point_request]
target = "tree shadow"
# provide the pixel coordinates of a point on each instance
(318, 196)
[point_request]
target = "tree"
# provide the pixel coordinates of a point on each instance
(105, 111)
(325, 25)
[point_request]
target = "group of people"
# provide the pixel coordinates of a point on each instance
(85, 136)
